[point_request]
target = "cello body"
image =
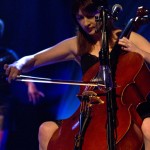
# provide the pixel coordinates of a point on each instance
(133, 86)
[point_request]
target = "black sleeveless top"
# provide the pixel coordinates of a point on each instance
(87, 61)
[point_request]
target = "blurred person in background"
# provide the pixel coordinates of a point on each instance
(6, 96)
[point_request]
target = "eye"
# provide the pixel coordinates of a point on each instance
(79, 17)
(89, 16)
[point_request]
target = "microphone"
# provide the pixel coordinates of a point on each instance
(116, 9)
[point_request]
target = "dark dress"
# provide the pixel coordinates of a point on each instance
(87, 61)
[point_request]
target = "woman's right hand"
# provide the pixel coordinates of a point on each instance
(12, 71)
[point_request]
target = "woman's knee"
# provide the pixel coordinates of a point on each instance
(47, 128)
(146, 128)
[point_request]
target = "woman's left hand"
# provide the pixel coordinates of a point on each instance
(128, 45)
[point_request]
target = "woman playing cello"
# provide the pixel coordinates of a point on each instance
(84, 49)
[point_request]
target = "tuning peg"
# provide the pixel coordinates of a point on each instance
(142, 11)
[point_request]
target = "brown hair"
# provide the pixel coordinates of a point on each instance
(85, 42)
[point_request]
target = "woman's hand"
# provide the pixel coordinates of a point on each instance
(128, 45)
(136, 43)
(25, 64)
(12, 71)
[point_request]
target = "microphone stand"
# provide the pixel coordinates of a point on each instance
(105, 70)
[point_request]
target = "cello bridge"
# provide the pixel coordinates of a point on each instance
(93, 98)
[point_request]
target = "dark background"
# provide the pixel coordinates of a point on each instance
(33, 25)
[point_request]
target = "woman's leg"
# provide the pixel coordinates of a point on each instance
(146, 132)
(46, 131)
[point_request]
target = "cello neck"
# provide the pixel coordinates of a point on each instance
(141, 17)
(128, 29)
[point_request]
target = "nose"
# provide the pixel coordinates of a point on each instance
(86, 21)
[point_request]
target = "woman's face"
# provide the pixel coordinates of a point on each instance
(87, 22)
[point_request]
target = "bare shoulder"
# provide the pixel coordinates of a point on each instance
(135, 36)
(140, 41)
(74, 38)
(71, 43)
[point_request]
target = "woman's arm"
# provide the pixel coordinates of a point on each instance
(63, 51)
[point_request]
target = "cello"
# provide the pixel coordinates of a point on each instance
(131, 91)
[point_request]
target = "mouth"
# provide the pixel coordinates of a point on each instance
(90, 29)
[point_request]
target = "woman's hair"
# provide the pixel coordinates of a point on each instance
(88, 5)
(85, 41)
